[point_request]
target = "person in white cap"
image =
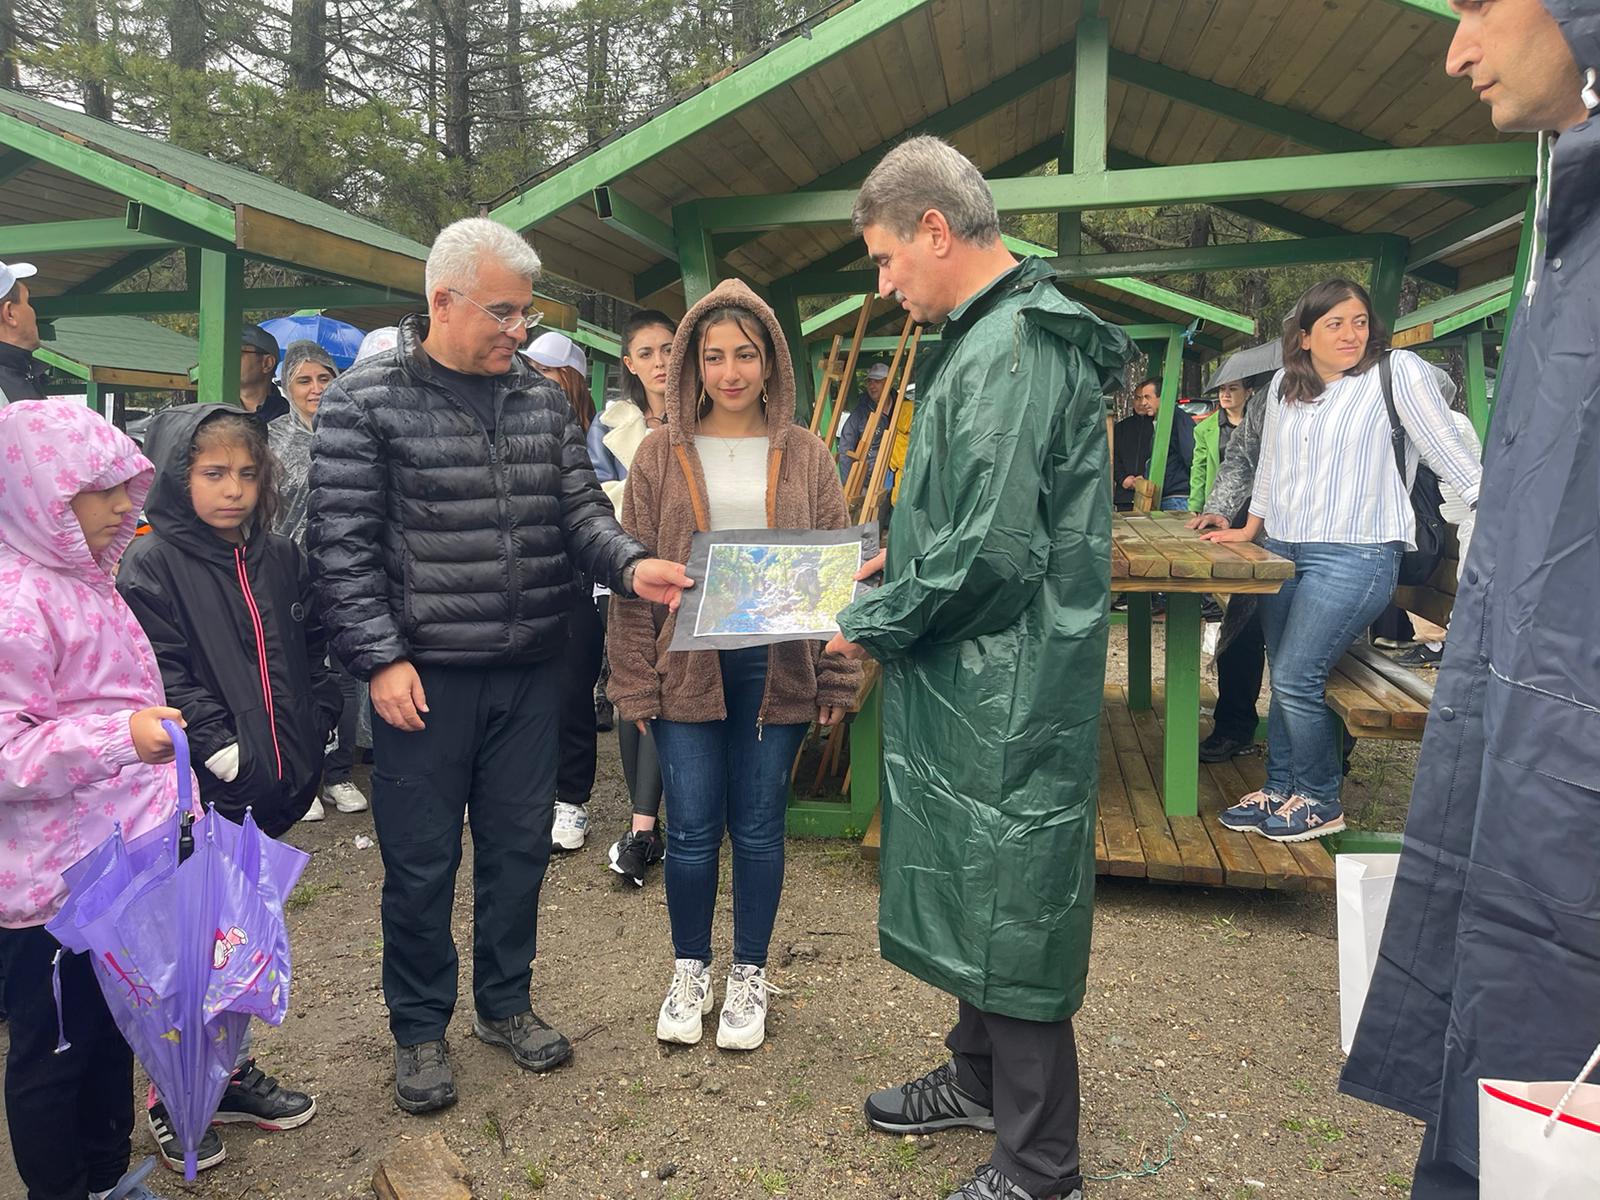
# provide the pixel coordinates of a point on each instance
(559, 359)
(19, 336)
(855, 425)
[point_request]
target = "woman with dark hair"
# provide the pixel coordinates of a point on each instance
(613, 440)
(727, 723)
(1329, 497)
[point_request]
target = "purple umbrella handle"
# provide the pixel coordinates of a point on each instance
(180, 752)
(62, 1045)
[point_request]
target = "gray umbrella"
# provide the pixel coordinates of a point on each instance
(1248, 363)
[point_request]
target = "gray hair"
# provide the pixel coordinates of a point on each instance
(463, 245)
(922, 173)
(305, 350)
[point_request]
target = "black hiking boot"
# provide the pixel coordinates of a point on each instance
(533, 1044)
(423, 1081)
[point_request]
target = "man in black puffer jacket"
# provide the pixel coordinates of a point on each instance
(452, 510)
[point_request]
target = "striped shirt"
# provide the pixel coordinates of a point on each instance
(1326, 472)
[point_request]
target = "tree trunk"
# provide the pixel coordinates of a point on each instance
(746, 26)
(457, 80)
(186, 27)
(516, 90)
(596, 66)
(8, 44)
(308, 47)
(96, 95)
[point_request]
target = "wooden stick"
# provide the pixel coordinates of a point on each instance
(880, 469)
(849, 370)
(858, 456)
(822, 384)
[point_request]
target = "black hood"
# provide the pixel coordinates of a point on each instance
(168, 507)
(1580, 25)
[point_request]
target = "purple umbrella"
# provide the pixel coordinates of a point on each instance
(187, 947)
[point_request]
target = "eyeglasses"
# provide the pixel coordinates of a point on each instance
(512, 323)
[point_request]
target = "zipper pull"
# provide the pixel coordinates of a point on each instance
(761, 724)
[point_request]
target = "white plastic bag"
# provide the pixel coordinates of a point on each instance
(1539, 1141)
(1364, 884)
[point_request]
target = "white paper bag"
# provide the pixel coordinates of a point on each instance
(1364, 883)
(1539, 1141)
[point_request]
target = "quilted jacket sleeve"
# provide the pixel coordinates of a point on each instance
(598, 546)
(346, 509)
(325, 691)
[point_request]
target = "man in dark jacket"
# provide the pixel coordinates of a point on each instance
(1133, 443)
(258, 391)
(452, 511)
(19, 336)
(1490, 960)
(855, 426)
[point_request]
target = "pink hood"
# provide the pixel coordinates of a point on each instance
(74, 664)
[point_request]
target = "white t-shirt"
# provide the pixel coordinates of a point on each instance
(736, 480)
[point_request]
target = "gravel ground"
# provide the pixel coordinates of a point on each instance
(1209, 1044)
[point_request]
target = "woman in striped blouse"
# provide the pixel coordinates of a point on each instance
(1329, 498)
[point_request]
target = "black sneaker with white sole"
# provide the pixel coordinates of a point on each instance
(210, 1152)
(927, 1105)
(534, 1045)
(256, 1099)
(631, 856)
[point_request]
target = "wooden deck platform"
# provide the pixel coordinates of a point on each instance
(1136, 839)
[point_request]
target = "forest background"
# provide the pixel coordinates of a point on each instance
(415, 112)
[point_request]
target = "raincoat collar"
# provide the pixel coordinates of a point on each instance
(50, 450)
(981, 301)
(170, 510)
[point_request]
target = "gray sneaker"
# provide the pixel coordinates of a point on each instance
(533, 1044)
(927, 1105)
(989, 1184)
(423, 1081)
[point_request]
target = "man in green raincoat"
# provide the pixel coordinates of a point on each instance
(991, 628)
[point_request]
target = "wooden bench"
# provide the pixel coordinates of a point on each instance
(1374, 695)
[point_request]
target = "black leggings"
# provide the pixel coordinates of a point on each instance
(640, 766)
(586, 635)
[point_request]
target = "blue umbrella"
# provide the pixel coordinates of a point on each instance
(339, 339)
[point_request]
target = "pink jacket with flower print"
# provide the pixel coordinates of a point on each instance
(74, 664)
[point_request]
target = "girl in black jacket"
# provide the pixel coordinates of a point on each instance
(227, 605)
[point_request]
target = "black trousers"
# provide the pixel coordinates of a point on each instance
(337, 762)
(1240, 665)
(580, 662)
(70, 1115)
(1027, 1072)
(1439, 1179)
(640, 766)
(487, 757)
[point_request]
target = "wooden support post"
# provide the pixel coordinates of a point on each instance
(95, 397)
(1477, 386)
(824, 379)
(872, 497)
(842, 396)
(1388, 273)
(856, 475)
(1139, 651)
(1171, 377)
(221, 322)
(1181, 763)
(697, 259)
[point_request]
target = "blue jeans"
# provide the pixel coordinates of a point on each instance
(1338, 590)
(721, 776)
(1175, 503)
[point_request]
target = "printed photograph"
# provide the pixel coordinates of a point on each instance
(769, 589)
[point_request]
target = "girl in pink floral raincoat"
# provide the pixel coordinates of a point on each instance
(81, 707)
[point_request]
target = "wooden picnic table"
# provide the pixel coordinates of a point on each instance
(1157, 552)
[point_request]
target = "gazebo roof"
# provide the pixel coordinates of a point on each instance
(120, 352)
(1198, 84)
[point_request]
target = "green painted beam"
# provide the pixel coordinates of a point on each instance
(773, 70)
(1027, 78)
(1433, 8)
(1231, 257)
(697, 259)
(142, 304)
(125, 267)
(1388, 273)
(75, 237)
(117, 176)
(832, 283)
(1477, 379)
(49, 357)
(146, 219)
(1090, 83)
(1492, 307)
(1200, 183)
(604, 343)
(221, 321)
(1171, 377)
(786, 307)
(828, 315)
(1493, 218)
(1439, 310)
(1519, 278)
(14, 163)
(623, 215)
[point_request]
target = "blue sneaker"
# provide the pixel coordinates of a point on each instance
(1299, 819)
(131, 1186)
(1251, 813)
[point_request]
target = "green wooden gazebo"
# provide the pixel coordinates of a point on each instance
(98, 356)
(1334, 125)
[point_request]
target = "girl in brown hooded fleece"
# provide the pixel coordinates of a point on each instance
(728, 723)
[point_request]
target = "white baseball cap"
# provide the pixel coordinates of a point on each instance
(878, 371)
(552, 350)
(9, 274)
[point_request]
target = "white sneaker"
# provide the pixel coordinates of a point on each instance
(571, 827)
(688, 1000)
(744, 1009)
(315, 812)
(346, 797)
